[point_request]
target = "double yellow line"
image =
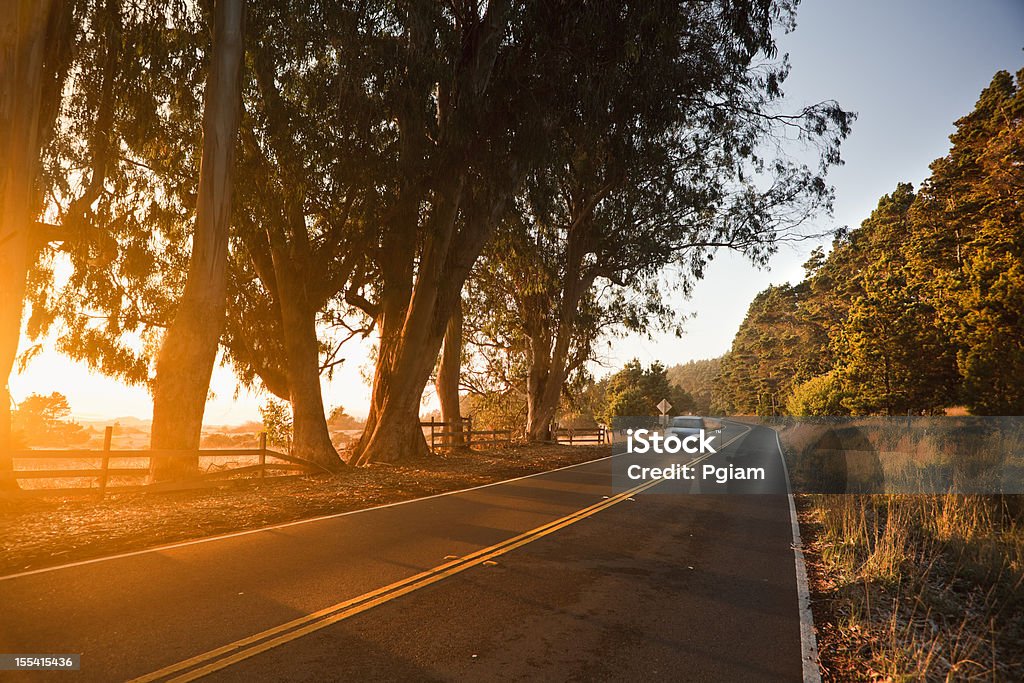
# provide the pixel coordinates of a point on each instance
(232, 653)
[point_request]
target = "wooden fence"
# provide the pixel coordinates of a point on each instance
(450, 434)
(574, 436)
(104, 472)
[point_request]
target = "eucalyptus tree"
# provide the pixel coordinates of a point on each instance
(303, 157)
(454, 100)
(189, 348)
(675, 150)
(968, 246)
(120, 187)
(36, 37)
(310, 161)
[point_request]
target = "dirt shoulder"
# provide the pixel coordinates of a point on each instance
(40, 533)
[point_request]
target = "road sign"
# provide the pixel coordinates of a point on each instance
(664, 407)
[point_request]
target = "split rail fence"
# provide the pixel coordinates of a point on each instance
(264, 463)
(460, 432)
(575, 436)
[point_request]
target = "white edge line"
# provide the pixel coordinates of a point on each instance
(808, 642)
(246, 532)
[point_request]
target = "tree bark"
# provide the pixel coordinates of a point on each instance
(25, 31)
(189, 350)
(311, 439)
(447, 383)
(540, 412)
(549, 359)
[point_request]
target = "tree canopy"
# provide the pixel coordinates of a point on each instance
(917, 310)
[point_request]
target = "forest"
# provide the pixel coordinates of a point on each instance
(484, 190)
(917, 311)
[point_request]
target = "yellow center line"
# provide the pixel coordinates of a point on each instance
(250, 646)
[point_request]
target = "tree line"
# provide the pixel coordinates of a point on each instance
(920, 309)
(486, 190)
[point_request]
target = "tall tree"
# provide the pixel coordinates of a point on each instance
(303, 165)
(920, 307)
(189, 349)
(444, 101)
(35, 37)
(967, 252)
(309, 171)
(773, 350)
(891, 351)
(658, 167)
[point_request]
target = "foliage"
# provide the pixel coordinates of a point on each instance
(660, 164)
(495, 410)
(339, 419)
(918, 309)
(42, 421)
(820, 395)
(775, 348)
(701, 379)
(635, 391)
(277, 423)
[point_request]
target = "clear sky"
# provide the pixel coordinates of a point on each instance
(908, 67)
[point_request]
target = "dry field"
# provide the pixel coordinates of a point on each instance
(912, 586)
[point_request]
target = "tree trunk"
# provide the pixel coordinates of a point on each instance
(550, 362)
(416, 303)
(392, 429)
(448, 372)
(412, 325)
(543, 393)
(189, 350)
(24, 33)
(539, 415)
(311, 440)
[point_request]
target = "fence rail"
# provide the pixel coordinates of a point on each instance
(105, 472)
(452, 434)
(593, 435)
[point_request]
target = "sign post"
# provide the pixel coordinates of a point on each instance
(664, 406)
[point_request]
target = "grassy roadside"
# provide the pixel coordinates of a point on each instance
(46, 532)
(914, 587)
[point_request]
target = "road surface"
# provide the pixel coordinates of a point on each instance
(550, 577)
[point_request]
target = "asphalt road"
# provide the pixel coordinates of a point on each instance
(551, 577)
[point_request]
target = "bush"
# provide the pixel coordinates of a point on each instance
(821, 395)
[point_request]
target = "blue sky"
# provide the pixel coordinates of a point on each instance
(908, 67)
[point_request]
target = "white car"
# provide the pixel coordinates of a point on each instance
(687, 425)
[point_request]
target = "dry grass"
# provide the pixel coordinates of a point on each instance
(917, 587)
(910, 585)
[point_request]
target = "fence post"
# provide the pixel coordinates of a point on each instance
(469, 433)
(263, 455)
(108, 435)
